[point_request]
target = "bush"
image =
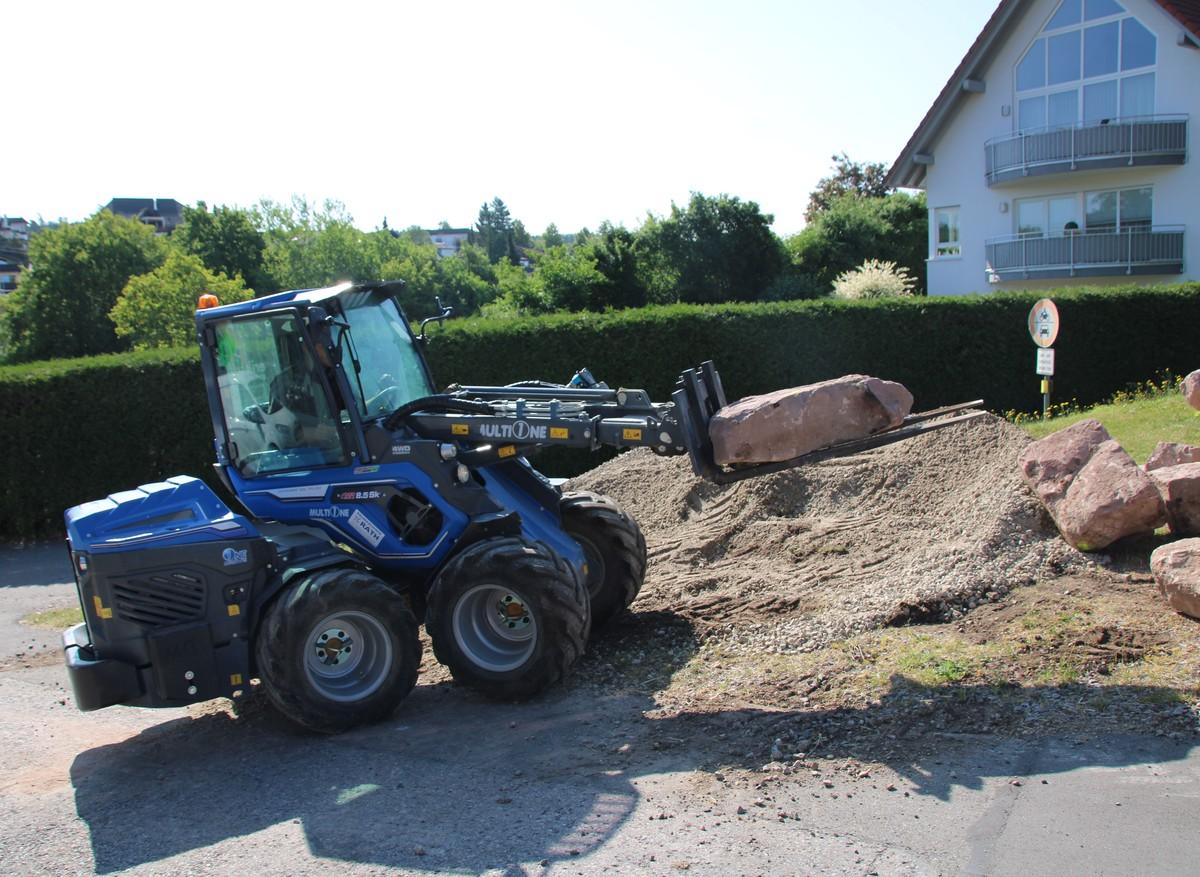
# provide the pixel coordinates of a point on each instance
(158, 309)
(874, 279)
(141, 417)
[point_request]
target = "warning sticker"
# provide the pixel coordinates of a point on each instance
(558, 432)
(460, 429)
(631, 435)
(363, 526)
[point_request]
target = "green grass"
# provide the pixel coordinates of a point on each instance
(1139, 420)
(55, 619)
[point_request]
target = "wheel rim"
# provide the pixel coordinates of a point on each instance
(495, 628)
(596, 570)
(347, 656)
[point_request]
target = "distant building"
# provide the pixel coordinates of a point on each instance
(448, 240)
(10, 272)
(161, 213)
(14, 228)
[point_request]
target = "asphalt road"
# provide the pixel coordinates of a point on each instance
(569, 784)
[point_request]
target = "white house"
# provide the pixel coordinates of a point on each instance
(449, 240)
(1058, 151)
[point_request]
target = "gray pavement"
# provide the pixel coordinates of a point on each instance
(572, 783)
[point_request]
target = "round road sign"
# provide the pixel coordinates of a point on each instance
(1043, 323)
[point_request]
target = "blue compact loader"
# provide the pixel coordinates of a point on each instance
(370, 504)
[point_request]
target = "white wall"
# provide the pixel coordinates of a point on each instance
(957, 176)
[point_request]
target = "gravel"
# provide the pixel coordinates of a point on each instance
(922, 530)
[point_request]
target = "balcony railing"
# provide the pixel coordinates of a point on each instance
(1145, 250)
(1138, 140)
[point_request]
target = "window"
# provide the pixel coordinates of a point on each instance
(1119, 209)
(1048, 217)
(1102, 212)
(277, 413)
(945, 223)
(1090, 66)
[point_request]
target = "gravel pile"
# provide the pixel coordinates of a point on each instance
(920, 530)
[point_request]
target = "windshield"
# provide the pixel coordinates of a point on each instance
(391, 369)
(277, 414)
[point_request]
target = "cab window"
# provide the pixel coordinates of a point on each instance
(276, 410)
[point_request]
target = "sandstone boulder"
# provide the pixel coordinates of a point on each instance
(1176, 568)
(1179, 487)
(1094, 491)
(789, 423)
(1171, 454)
(1191, 389)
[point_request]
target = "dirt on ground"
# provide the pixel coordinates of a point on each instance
(915, 590)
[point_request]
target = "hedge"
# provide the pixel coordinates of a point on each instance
(79, 429)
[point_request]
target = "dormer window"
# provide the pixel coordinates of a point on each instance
(1093, 63)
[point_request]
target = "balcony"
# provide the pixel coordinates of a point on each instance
(1132, 251)
(1140, 140)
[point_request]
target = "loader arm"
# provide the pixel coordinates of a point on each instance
(495, 423)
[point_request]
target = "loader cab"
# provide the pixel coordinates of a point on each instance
(294, 379)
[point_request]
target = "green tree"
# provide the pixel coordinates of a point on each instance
(227, 242)
(61, 306)
(717, 249)
(157, 309)
(568, 280)
(494, 229)
(853, 229)
(466, 281)
(614, 251)
(551, 237)
(848, 178)
(520, 236)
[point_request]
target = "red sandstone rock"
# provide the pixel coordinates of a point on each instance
(789, 423)
(1191, 389)
(1176, 568)
(1094, 491)
(1171, 454)
(1180, 490)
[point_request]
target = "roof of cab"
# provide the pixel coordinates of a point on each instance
(268, 302)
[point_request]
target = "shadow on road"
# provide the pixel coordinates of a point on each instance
(41, 563)
(454, 782)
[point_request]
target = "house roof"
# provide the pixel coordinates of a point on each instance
(906, 171)
(167, 208)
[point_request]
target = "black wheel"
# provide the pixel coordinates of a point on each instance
(508, 617)
(338, 648)
(615, 551)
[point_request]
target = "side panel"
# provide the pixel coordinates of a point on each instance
(404, 513)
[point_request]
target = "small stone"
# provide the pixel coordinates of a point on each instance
(418, 851)
(741, 811)
(891, 787)
(625, 748)
(504, 800)
(1014, 782)
(827, 784)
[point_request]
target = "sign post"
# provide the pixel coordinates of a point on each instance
(1043, 329)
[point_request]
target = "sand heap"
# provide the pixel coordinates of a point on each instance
(921, 529)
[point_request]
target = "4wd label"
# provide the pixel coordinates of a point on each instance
(361, 525)
(521, 430)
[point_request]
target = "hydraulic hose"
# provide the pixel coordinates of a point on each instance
(440, 402)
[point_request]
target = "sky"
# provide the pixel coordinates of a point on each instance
(571, 112)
